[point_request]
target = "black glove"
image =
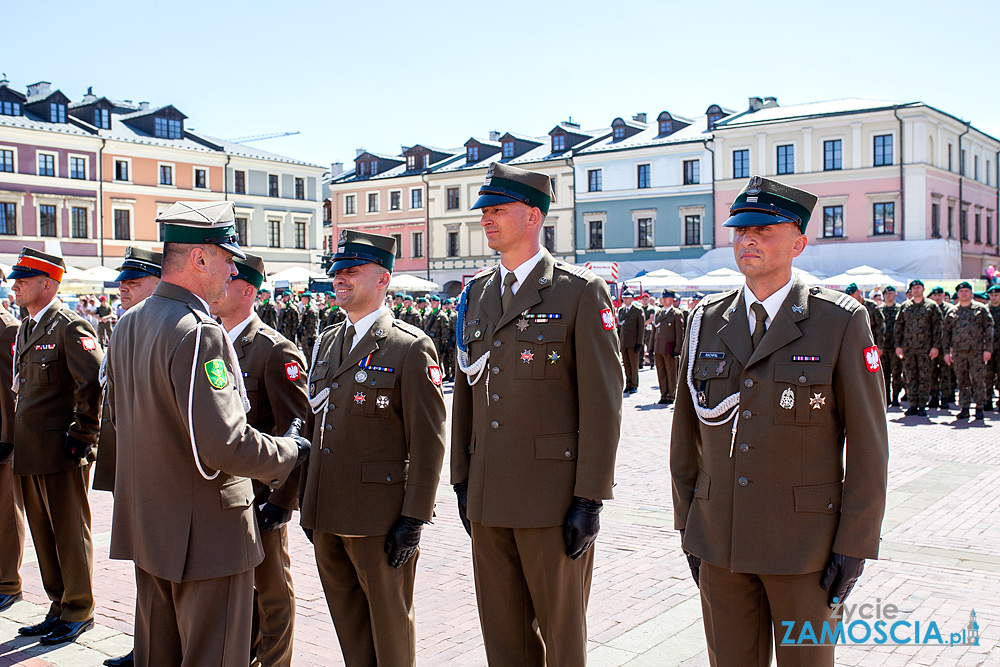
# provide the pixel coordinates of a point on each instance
(271, 517)
(303, 443)
(462, 491)
(694, 563)
(6, 449)
(309, 534)
(77, 449)
(581, 525)
(402, 540)
(842, 572)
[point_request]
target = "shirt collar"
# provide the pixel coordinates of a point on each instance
(362, 326)
(772, 304)
(38, 317)
(235, 332)
(522, 271)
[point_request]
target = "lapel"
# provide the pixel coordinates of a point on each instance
(489, 302)
(529, 293)
(368, 343)
(42, 326)
(784, 328)
(735, 331)
(246, 338)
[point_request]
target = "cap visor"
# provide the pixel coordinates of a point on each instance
(755, 219)
(491, 200)
(131, 274)
(234, 249)
(16, 273)
(346, 264)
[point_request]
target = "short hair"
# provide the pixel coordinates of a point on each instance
(175, 254)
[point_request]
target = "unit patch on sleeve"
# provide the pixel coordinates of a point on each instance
(608, 319)
(871, 359)
(216, 372)
(292, 371)
(434, 373)
(88, 343)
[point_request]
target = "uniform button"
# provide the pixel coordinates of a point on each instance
(497, 343)
(748, 382)
(494, 424)
(541, 337)
(568, 453)
(829, 506)
(329, 427)
(388, 478)
(802, 379)
(742, 481)
(495, 397)
(335, 385)
(747, 414)
(744, 447)
(496, 370)
(275, 482)
(326, 450)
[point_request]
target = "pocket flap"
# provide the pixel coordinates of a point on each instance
(714, 368)
(823, 499)
(803, 374)
(561, 447)
(544, 333)
(237, 492)
(472, 333)
(376, 379)
(384, 472)
(701, 487)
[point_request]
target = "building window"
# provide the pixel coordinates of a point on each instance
(961, 162)
(558, 143)
(692, 230)
(596, 235)
(78, 168)
(78, 222)
(951, 166)
(411, 162)
(664, 127)
(786, 159)
(951, 222)
(200, 179)
(642, 176)
(300, 235)
(619, 133)
(165, 128)
(47, 220)
(10, 108)
(936, 220)
(241, 231)
(121, 170)
(885, 218)
(398, 238)
(395, 200)
(8, 218)
(741, 163)
(272, 185)
(508, 149)
(977, 230)
(373, 202)
(46, 164)
(350, 204)
(417, 244)
(833, 222)
(102, 119)
(472, 154)
(300, 188)
(166, 174)
(549, 237)
(274, 233)
(989, 229)
(452, 244)
(594, 180)
(7, 161)
(57, 112)
(692, 172)
(452, 198)
(644, 233)
(833, 155)
(426, 160)
(123, 225)
(240, 182)
(975, 167)
(883, 150)
(417, 198)
(963, 224)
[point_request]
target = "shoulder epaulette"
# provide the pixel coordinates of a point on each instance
(271, 334)
(578, 271)
(201, 316)
(414, 331)
(485, 272)
(718, 296)
(845, 301)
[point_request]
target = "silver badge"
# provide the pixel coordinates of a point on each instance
(796, 308)
(382, 401)
(787, 400)
(360, 376)
(489, 174)
(753, 188)
(343, 237)
(702, 399)
(817, 401)
(379, 332)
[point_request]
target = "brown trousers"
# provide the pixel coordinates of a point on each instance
(532, 597)
(666, 374)
(274, 613)
(58, 512)
(193, 623)
(743, 611)
(371, 603)
(12, 530)
(630, 359)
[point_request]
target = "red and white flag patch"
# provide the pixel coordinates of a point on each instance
(871, 359)
(13, 348)
(89, 344)
(434, 373)
(292, 371)
(608, 319)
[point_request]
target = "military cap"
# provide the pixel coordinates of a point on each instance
(33, 262)
(307, 294)
(262, 290)
(139, 263)
(938, 290)
(199, 222)
(421, 299)
(451, 300)
(965, 284)
(851, 289)
(915, 282)
(699, 295)
(668, 294)
(251, 270)
(357, 248)
(435, 297)
(888, 288)
(102, 298)
(628, 294)
(505, 184)
(993, 288)
(765, 202)
(980, 295)
(407, 296)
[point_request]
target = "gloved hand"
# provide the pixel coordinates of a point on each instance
(581, 525)
(6, 449)
(271, 517)
(77, 449)
(402, 540)
(842, 572)
(309, 534)
(694, 563)
(462, 491)
(304, 444)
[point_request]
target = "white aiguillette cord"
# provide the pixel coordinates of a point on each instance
(709, 416)
(320, 402)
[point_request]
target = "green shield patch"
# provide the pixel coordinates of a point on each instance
(216, 372)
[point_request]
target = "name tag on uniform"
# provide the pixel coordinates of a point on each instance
(711, 355)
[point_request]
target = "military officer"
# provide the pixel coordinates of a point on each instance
(668, 335)
(631, 320)
(309, 322)
(776, 521)
(535, 429)
(11, 502)
(267, 311)
(968, 345)
(375, 382)
(57, 410)
(288, 318)
(992, 367)
(943, 376)
(918, 344)
(183, 500)
(892, 366)
(649, 310)
(274, 375)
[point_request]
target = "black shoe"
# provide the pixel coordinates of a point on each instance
(945, 405)
(921, 412)
(122, 661)
(895, 404)
(989, 406)
(979, 414)
(6, 601)
(66, 631)
(964, 414)
(912, 411)
(665, 401)
(43, 628)
(933, 403)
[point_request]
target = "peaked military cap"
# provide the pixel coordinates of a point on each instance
(505, 184)
(251, 270)
(200, 222)
(765, 202)
(139, 263)
(628, 294)
(357, 248)
(668, 294)
(851, 289)
(965, 284)
(33, 262)
(993, 288)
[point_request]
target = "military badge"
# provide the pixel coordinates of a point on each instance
(434, 373)
(702, 399)
(216, 372)
(796, 308)
(721, 367)
(382, 402)
(608, 319)
(554, 357)
(522, 324)
(787, 400)
(753, 187)
(88, 343)
(50, 346)
(359, 398)
(360, 376)
(817, 401)
(871, 359)
(489, 174)
(292, 371)
(527, 356)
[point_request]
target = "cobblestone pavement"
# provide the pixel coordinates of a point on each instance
(940, 560)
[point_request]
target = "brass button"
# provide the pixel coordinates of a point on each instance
(742, 481)
(494, 424)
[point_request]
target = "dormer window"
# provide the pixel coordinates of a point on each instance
(411, 162)
(374, 167)
(619, 133)
(664, 127)
(472, 154)
(558, 143)
(102, 119)
(361, 169)
(427, 160)
(714, 114)
(508, 149)
(165, 128)
(10, 108)
(57, 112)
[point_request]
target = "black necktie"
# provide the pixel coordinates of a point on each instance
(758, 330)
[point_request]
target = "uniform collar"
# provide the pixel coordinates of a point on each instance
(362, 326)
(772, 304)
(38, 317)
(521, 271)
(235, 332)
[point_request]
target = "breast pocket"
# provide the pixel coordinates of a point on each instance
(43, 366)
(711, 380)
(804, 394)
(373, 393)
(542, 351)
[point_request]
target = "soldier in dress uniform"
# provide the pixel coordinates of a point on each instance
(668, 334)
(56, 425)
(267, 311)
(918, 344)
(288, 318)
(968, 345)
(275, 378)
(309, 322)
(11, 502)
(183, 498)
(376, 384)
(892, 366)
(993, 366)
(649, 310)
(631, 320)
(448, 360)
(943, 376)
(776, 521)
(534, 436)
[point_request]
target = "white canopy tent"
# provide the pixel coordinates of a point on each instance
(405, 282)
(295, 275)
(865, 277)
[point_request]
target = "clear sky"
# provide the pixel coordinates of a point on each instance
(381, 74)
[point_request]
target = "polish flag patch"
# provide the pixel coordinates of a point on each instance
(434, 373)
(871, 359)
(13, 347)
(292, 371)
(89, 344)
(608, 319)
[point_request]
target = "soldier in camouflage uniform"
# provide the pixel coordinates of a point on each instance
(267, 311)
(875, 319)
(918, 341)
(437, 325)
(332, 315)
(968, 345)
(308, 323)
(288, 318)
(892, 366)
(409, 313)
(993, 366)
(943, 377)
(397, 304)
(448, 360)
